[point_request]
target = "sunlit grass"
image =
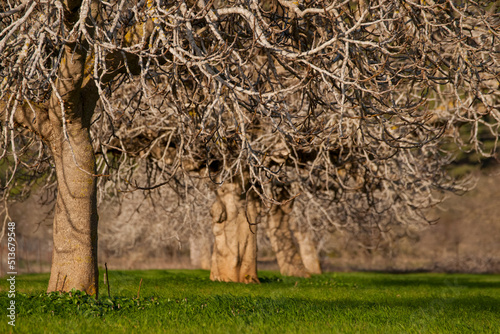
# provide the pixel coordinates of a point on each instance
(187, 301)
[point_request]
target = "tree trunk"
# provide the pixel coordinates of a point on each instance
(234, 258)
(74, 257)
(199, 251)
(307, 249)
(278, 231)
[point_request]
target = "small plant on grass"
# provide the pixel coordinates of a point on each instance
(78, 302)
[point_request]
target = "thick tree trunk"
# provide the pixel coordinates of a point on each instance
(64, 124)
(199, 251)
(278, 231)
(234, 258)
(307, 249)
(74, 258)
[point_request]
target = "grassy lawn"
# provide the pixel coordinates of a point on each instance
(187, 301)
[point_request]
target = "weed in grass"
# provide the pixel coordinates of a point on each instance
(79, 303)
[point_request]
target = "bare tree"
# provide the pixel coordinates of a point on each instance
(347, 99)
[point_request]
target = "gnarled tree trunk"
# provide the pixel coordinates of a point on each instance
(278, 231)
(307, 248)
(71, 107)
(234, 258)
(74, 258)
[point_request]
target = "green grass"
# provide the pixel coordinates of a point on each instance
(177, 301)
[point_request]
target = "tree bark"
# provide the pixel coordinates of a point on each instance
(307, 249)
(234, 258)
(199, 251)
(282, 243)
(74, 257)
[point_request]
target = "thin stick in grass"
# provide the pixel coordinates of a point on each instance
(107, 278)
(139, 291)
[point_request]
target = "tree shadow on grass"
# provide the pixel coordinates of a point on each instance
(409, 310)
(372, 279)
(444, 280)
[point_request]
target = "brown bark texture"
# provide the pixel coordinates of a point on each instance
(282, 243)
(74, 258)
(307, 249)
(234, 215)
(199, 251)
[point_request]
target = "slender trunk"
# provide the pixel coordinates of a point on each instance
(307, 249)
(278, 231)
(199, 251)
(234, 258)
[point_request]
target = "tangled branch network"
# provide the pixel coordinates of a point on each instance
(346, 104)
